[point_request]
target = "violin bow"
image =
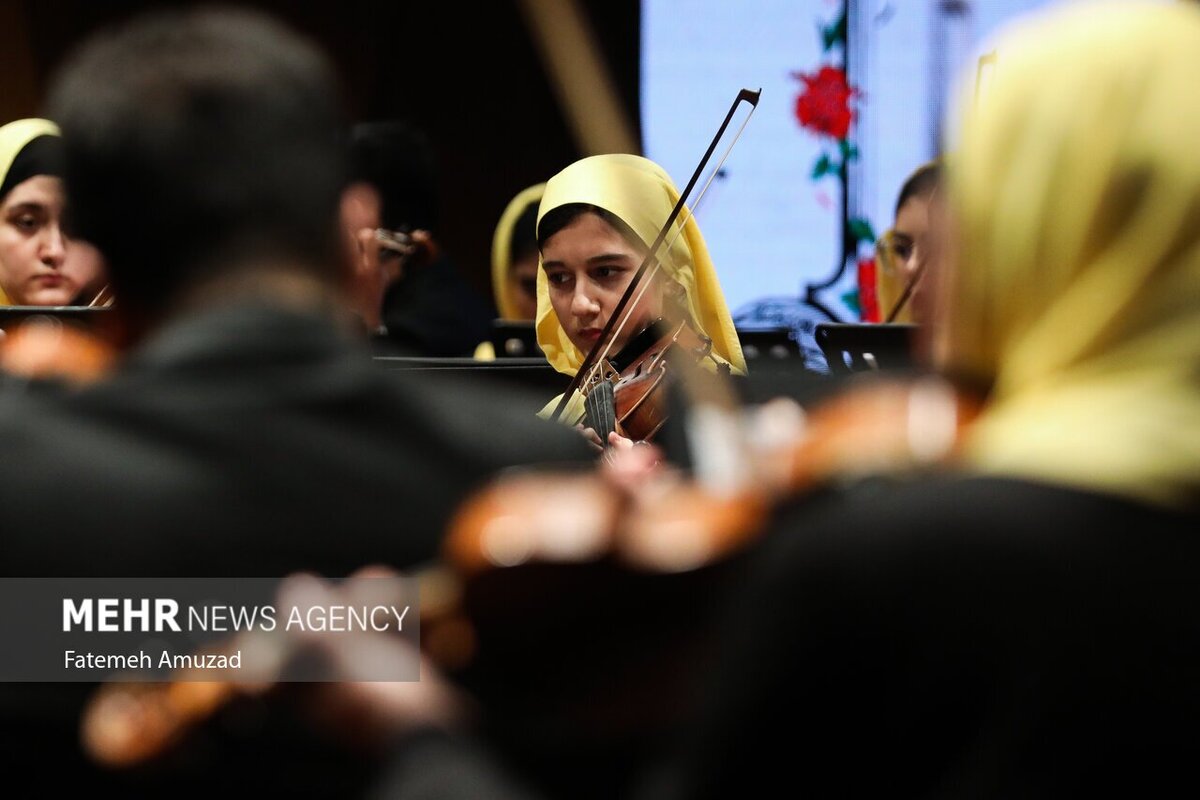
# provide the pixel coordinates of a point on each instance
(907, 293)
(615, 321)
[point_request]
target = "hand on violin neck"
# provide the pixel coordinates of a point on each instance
(591, 436)
(620, 443)
(616, 442)
(628, 465)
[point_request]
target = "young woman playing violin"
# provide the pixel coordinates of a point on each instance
(595, 223)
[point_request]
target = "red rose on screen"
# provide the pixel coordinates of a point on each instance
(868, 290)
(824, 105)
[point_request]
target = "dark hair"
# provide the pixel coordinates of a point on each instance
(197, 142)
(924, 180)
(524, 235)
(398, 160)
(560, 217)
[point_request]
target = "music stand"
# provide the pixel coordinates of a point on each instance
(759, 344)
(862, 347)
(85, 316)
(513, 339)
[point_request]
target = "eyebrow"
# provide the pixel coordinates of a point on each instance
(28, 205)
(608, 257)
(600, 259)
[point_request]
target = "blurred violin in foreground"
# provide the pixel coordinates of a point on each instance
(76, 344)
(545, 568)
(668, 521)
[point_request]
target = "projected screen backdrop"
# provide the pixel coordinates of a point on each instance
(774, 220)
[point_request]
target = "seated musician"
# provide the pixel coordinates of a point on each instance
(515, 263)
(40, 264)
(595, 225)
(903, 250)
(421, 303)
(515, 256)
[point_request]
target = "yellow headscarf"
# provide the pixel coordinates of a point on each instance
(1077, 196)
(642, 195)
(502, 244)
(13, 138)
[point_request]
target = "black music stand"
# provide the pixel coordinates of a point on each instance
(850, 347)
(85, 316)
(513, 339)
(768, 344)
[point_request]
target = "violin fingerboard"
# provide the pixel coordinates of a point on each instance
(601, 415)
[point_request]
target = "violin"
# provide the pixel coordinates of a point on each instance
(485, 620)
(620, 588)
(78, 348)
(757, 458)
(629, 393)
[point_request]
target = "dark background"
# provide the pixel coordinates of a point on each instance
(465, 72)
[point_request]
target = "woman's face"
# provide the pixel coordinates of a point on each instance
(522, 288)
(36, 267)
(910, 236)
(912, 243)
(588, 265)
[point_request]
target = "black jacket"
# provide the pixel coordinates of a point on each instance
(243, 441)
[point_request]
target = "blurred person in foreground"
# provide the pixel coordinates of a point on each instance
(244, 432)
(1024, 623)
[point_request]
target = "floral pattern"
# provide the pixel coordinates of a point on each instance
(825, 107)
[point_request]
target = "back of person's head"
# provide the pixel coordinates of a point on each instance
(398, 160)
(199, 143)
(1075, 194)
